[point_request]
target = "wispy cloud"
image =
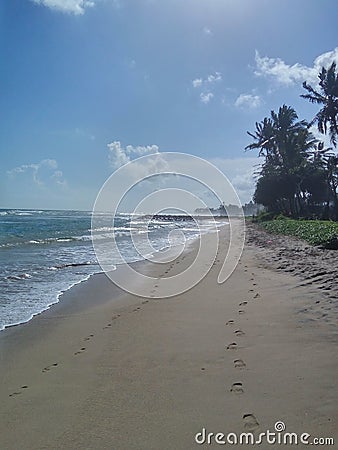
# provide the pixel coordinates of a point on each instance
(281, 72)
(248, 101)
(197, 82)
(207, 31)
(207, 86)
(209, 80)
(77, 7)
(213, 78)
(206, 97)
(42, 172)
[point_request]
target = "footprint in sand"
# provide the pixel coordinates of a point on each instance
(239, 333)
(232, 346)
(48, 368)
(107, 326)
(229, 322)
(239, 364)
(237, 388)
(256, 296)
(145, 301)
(88, 338)
(136, 309)
(250, 422)
(80, 351)
(243, 303)
(241, 311)
(13, 394)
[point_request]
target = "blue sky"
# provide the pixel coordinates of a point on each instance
(89, 84)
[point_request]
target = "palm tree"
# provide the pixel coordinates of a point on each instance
(264, 138)
(320, 155)
(328, 97)
(282, 139)
(284, 142)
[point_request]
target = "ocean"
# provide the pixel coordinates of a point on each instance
(44, 253)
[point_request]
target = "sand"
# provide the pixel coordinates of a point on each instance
(107, 370)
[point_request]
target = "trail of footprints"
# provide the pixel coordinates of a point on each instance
(250, 423)
(169, 268)
(88, 338)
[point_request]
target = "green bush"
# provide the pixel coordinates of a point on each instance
(315, 232)
(264, 216)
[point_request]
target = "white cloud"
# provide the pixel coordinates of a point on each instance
(248, 101)
(118, 155)
(206, 97)
(77, 7)
(58, 177)
(209, 80)
(213, 78)
(197, 82)
(207, 31)
(288, 75)
(207, 84)
(42, 172)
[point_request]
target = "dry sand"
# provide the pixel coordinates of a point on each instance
(106, 370)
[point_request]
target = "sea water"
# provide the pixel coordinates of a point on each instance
(44, 253)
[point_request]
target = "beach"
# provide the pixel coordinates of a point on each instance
(104, 369)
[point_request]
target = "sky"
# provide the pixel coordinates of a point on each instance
(89, 85)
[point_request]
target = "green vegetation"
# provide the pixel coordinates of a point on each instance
(299, 177)
(315, 232)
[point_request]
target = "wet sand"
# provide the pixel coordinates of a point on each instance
(107, 370)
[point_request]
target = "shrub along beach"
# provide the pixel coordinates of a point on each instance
(316, 232)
